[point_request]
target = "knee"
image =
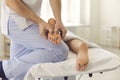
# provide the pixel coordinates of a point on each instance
(61, 55)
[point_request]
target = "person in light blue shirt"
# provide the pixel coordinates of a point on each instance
(21, 23)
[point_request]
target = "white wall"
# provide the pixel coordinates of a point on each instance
(109, 18)
(94, 21)
(104, 14)
(109, 12)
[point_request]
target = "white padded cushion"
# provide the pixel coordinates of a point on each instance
(100, 61)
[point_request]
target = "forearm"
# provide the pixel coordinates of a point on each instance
(77, 46)
(56, 7)
(20, 8)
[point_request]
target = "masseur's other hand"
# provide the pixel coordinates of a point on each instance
(60, 27)
(44, 28)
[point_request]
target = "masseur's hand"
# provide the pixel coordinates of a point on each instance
(44, 28)
(60, 27)
(55, 38)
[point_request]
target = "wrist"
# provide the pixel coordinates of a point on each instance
(39, 21)
(59, 22)
(58, 19)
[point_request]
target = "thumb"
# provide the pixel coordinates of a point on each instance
(50, 30)
(56, 31)
(43, 34)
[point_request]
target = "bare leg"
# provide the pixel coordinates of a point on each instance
(76, 45)
(81, 49)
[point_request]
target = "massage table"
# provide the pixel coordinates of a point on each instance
(100, 61)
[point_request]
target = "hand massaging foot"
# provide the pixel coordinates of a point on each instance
(55, 38)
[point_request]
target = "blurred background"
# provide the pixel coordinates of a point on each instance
(97, 21)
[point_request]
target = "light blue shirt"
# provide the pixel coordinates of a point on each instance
(29, 48)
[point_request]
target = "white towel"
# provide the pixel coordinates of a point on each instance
(100, 60)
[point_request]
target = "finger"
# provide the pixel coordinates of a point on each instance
(56, 39)
(40, 31)
(50, 30)
(63, 33)
(53, 40)
(43, 34)
(59, 41)
(56, 30)
(49, 38)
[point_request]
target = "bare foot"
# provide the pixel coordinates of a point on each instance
(55, 38)
(82, 61)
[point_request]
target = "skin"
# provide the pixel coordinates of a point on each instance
(56, 7)
(55, 37)
(76, 45)
(18, 6)
(81, 49)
